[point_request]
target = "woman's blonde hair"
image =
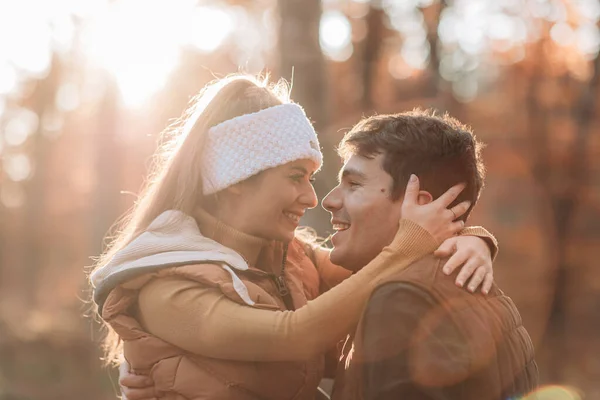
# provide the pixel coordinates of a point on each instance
(175, 178)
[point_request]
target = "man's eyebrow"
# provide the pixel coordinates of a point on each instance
(346, 172)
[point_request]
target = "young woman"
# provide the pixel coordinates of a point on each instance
(210, 288)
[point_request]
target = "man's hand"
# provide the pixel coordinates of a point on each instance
(474, 255)
(135, 387)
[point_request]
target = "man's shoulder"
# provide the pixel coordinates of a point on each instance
(399, 297)
(423, 272)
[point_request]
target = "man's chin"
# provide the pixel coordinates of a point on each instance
(335, 257)
(343, 260)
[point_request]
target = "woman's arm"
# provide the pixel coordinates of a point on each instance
(204, 321)
(331, 274)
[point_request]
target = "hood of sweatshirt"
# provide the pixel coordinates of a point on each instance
(172, 239)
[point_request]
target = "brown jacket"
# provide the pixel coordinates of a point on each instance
(176, 373)
(421, 337)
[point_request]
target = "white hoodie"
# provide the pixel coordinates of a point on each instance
(172, 239)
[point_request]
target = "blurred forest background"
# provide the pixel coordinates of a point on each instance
(86, 86)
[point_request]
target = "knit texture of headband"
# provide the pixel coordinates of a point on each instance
(243, 146)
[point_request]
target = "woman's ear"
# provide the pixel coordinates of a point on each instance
(424, 197)
(234, 189)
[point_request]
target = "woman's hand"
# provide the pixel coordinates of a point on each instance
(135, 387)
(474, 255)
(434, 217)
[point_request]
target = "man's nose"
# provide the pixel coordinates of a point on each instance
(332, 201)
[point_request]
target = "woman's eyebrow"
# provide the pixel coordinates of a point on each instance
(300, 169)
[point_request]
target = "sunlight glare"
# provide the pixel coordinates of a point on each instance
(554, 392)
(141, 49)
(209, 27)
(2, 108)
(336, 35)
(23, 124)
(588, 39)
(562, 33)
(502, 27)
(415, 51)
(67, 97)
(8, 78)
(589, 9)
(465, 89)
(17, 167)
(32, 51)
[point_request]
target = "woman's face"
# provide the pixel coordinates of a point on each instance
(273, 202)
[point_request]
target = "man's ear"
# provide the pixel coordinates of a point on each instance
(424, 197)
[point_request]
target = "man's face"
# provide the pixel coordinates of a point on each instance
(363, 214)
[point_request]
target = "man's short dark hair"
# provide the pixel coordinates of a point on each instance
(439, 149)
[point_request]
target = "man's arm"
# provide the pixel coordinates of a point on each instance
(410, 349)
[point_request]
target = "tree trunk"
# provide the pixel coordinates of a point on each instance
(108, 167)
(300, 52)
(370, 53)
(36, 188)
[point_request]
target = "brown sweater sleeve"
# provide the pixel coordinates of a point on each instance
(482, 233)
(331, 274)
(204, 321)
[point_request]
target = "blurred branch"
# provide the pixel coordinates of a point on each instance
(300, 51)
(43, 102)
(584, 114)
(371, 52)
(108, 166)
(434, 48)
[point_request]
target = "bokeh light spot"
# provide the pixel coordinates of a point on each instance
(18, 167)
(336, 35)
(23, 124)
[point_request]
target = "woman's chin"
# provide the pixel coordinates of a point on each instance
(287, 237)
(284, 236)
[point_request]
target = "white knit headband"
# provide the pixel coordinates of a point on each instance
(246, 145)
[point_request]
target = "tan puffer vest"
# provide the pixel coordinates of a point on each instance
(180, 375)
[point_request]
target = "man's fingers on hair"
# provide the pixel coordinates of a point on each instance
(412, 190)
(477, 278)
(446, 249)
(139, 394)
(487, 283)
(466, 271)
(451, 194)
(461, 208)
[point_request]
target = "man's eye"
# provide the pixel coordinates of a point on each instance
(312, 179)
(297, 178)
(353, 184)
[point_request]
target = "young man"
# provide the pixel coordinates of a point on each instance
(366, 216)
(420, 337)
